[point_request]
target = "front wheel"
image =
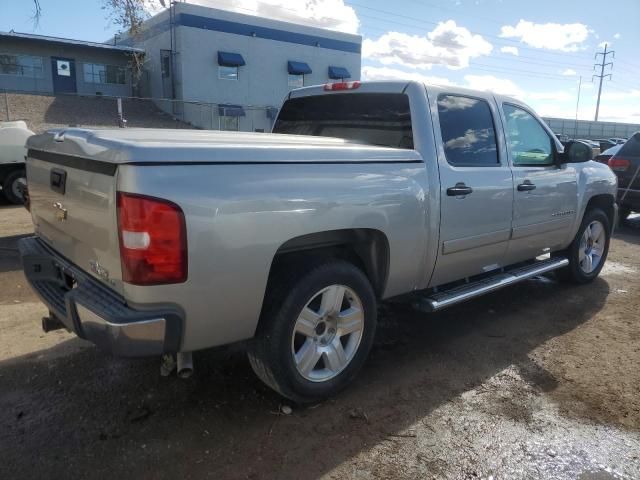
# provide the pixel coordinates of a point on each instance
(588, 251)
(316, 331)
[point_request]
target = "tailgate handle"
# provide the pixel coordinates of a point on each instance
(58, 180)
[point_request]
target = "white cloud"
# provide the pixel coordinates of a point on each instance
(331, 14)
(386, 73)
(567, 37)
(447, 44)
(618, 95)
(569, 72)
(489, 83)
(558, 96)
(511, 50)
(617, 36)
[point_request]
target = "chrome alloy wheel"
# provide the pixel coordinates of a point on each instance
(592, 246)
(327, 333)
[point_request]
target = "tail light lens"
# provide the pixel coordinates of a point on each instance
(153, 240)
(334, 87)
(619, 164)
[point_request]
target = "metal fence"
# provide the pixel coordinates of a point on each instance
(591, 130)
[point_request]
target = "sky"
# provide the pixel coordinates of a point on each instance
(535, 50)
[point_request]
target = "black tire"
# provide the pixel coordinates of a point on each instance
(573, 272)
(270, 353)
(9, 186)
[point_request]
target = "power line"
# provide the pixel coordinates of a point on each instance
(602, 74)
(510, 42)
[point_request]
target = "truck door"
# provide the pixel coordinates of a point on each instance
(476, 186)
(545, 195)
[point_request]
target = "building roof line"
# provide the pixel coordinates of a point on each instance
(70, 41)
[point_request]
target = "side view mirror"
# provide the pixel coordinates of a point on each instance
(576, 152)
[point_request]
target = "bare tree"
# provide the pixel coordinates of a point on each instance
(127, 14)
(37, 12)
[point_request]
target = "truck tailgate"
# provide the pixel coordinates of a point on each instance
(73, 206)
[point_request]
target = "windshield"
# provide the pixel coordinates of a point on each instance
(382, 119)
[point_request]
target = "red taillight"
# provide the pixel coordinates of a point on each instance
(334, 87)
(619, 164)
(153, 240)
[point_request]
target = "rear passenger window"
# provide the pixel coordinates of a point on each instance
(468, 131)
(529, 143)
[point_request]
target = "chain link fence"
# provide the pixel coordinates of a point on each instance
(591, 130)
(44, 111)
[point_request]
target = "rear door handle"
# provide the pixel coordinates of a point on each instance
(459, 190)
(526, 186)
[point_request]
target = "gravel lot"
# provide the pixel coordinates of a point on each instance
(538, 381)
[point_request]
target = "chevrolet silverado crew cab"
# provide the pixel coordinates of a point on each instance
(151, 242)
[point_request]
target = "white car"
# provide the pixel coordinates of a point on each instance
(13, 137)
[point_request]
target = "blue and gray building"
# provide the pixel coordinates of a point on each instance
(41, 64)
(231, 71)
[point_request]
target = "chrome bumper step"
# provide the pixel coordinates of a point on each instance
(445, 298)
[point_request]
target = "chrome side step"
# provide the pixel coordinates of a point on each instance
(446, 298)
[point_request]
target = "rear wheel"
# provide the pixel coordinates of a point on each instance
(13, 185)
(588, 251)
(315, 332)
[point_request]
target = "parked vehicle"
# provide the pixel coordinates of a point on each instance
(626, 165)
(13, 136)
(618, 141)
(158, 241)
(605, 144)
(607, 154)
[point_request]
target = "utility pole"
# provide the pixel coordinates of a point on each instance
(602, 75)
(575, 134)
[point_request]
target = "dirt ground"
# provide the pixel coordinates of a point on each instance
(538, 381)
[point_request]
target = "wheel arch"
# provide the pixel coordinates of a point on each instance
(607, 203)
(366, 248)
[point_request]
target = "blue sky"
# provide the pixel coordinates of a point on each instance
(534, 49)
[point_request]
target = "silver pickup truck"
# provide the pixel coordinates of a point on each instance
(151, 242)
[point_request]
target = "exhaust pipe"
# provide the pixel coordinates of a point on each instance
(185, 364)
(49, 324)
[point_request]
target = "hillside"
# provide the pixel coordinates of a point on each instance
(42, 112)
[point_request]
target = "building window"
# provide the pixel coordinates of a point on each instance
(100, 73)
(227, 73)
(22, 65)
(296, 81)
(229, 124)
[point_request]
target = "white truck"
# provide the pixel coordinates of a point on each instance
(13, 137)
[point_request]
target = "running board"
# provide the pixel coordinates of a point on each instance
(458, 294)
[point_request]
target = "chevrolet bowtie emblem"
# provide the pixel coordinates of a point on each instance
(61, 212)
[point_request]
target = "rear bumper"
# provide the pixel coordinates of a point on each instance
(94, 312)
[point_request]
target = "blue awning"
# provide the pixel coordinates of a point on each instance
(227, 59)
(338, 73)
(298, 68)
(226, 110)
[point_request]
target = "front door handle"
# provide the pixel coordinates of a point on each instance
(526, 186)
(459, 190)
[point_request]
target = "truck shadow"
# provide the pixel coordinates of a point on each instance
(9, 256)
(119, 417)
(629, 230)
